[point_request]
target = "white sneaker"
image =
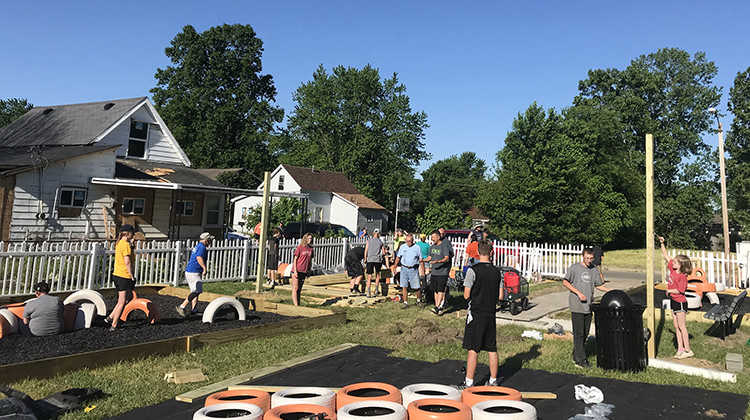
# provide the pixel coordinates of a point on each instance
(686, 354)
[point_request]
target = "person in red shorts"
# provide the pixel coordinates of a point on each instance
(679, 268)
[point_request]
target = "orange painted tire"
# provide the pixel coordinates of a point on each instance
(702, 287)
(70, 311)
(438, 409)
(152, 312)
(297, 411)
(16, 308)
(475, 394)
(4, 327)
(367, 391)
(248, 396)
(698, 275)
(284, 270)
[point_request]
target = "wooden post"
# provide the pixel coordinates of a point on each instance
(724, 211)
(263, 231)
(650, 245)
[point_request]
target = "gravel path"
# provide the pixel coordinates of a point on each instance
(16, 348)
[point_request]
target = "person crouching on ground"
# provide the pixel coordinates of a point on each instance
(581, 279)
(303, 256)
(409, 255)
(194, 273)
(122, 276)
(482, 288)
(679, 268)
(43, 315)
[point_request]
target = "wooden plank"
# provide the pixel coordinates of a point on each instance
(533, 395)
(47, 368)
(285, 309)
(268, 330)
(327, 279)
(191, 396)
(183, 293)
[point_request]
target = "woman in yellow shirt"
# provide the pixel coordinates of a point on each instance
(123, 273)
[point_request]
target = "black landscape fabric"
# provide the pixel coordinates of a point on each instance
(632, 400)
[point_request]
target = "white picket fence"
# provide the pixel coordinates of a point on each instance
(720, 268)
(70, 266)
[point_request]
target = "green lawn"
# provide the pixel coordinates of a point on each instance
(140, 383)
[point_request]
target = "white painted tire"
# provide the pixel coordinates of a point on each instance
(693, 300)
(219, 303)
(85, 316)
(305, 395)
(372, 410)
(720, 287)
(89, 295)
(12, 319)
(666, 304)
(416, 392)
(237, 411)
(503, 410)
(713, 298)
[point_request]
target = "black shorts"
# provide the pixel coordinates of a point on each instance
(122, 284)
(678, 306)
(481, 334)
(301, 277)
(272, 262)
(439, 283)
(374, 267)
(354, 269)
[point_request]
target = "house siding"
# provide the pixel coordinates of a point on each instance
(30, 200)
(344, 213)
(159, 147)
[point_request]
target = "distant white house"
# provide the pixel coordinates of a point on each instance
(332, 198)
(80, 171)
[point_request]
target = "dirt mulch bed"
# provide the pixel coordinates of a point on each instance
(16, 348)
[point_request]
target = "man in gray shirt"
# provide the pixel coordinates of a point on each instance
(43, 315)
(440, 265)
(581, 279)
(374, 250)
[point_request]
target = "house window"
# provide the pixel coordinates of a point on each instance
(133, 205)
(213, 209)
(72, 197)
(281, 182)
(186, 208)
(244, 212)
(138, 139)
(319, 214)
(369, 218)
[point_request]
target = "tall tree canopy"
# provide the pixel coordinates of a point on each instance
(667, 94)
(546, 188)
(12, 109)
(215, 99)
(738, 147)
(355, 122)
(456, 179)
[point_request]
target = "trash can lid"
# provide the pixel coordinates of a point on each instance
(617, 299)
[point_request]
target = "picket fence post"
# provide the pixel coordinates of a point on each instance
(245, 260)
(177, 260)
(92, 265)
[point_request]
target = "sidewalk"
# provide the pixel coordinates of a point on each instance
(542, 306)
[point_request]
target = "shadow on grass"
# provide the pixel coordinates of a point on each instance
(514, 363)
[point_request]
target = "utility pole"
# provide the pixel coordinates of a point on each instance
(722, 178)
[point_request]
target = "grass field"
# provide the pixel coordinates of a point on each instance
(139, 383)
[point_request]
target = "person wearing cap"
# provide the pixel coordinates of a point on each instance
(398, 239)
(374, 250)
(44, 314)
(123, 276)
(194, 272)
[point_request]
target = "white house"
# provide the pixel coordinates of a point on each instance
(79, 171)
(331, 198)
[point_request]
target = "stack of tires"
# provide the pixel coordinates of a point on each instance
(371, 401)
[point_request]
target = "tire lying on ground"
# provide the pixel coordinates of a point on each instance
(12, 320)
(296, 411)
(416, 392)
(438, 409)
(90, 296)
(503, 410)
(694, 300)
(219, 303)
(305, 395)
(476, 394)
(146, 306)
(237, 411)
(247, 396)
(85, 316)
(372, 410)
(367, 391)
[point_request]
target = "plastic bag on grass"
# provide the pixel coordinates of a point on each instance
(536, 335)
(589, 394)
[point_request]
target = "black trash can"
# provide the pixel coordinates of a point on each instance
(620, 338)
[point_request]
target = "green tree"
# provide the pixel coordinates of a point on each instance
(667, 94)
(355, 122)
(456, 179)
(545, 189)
(12, 109)
(738, 147)
(215, 99)
(283, 211)
(438, 215)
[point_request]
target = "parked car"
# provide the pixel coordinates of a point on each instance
(231, 234)
(293, 230)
